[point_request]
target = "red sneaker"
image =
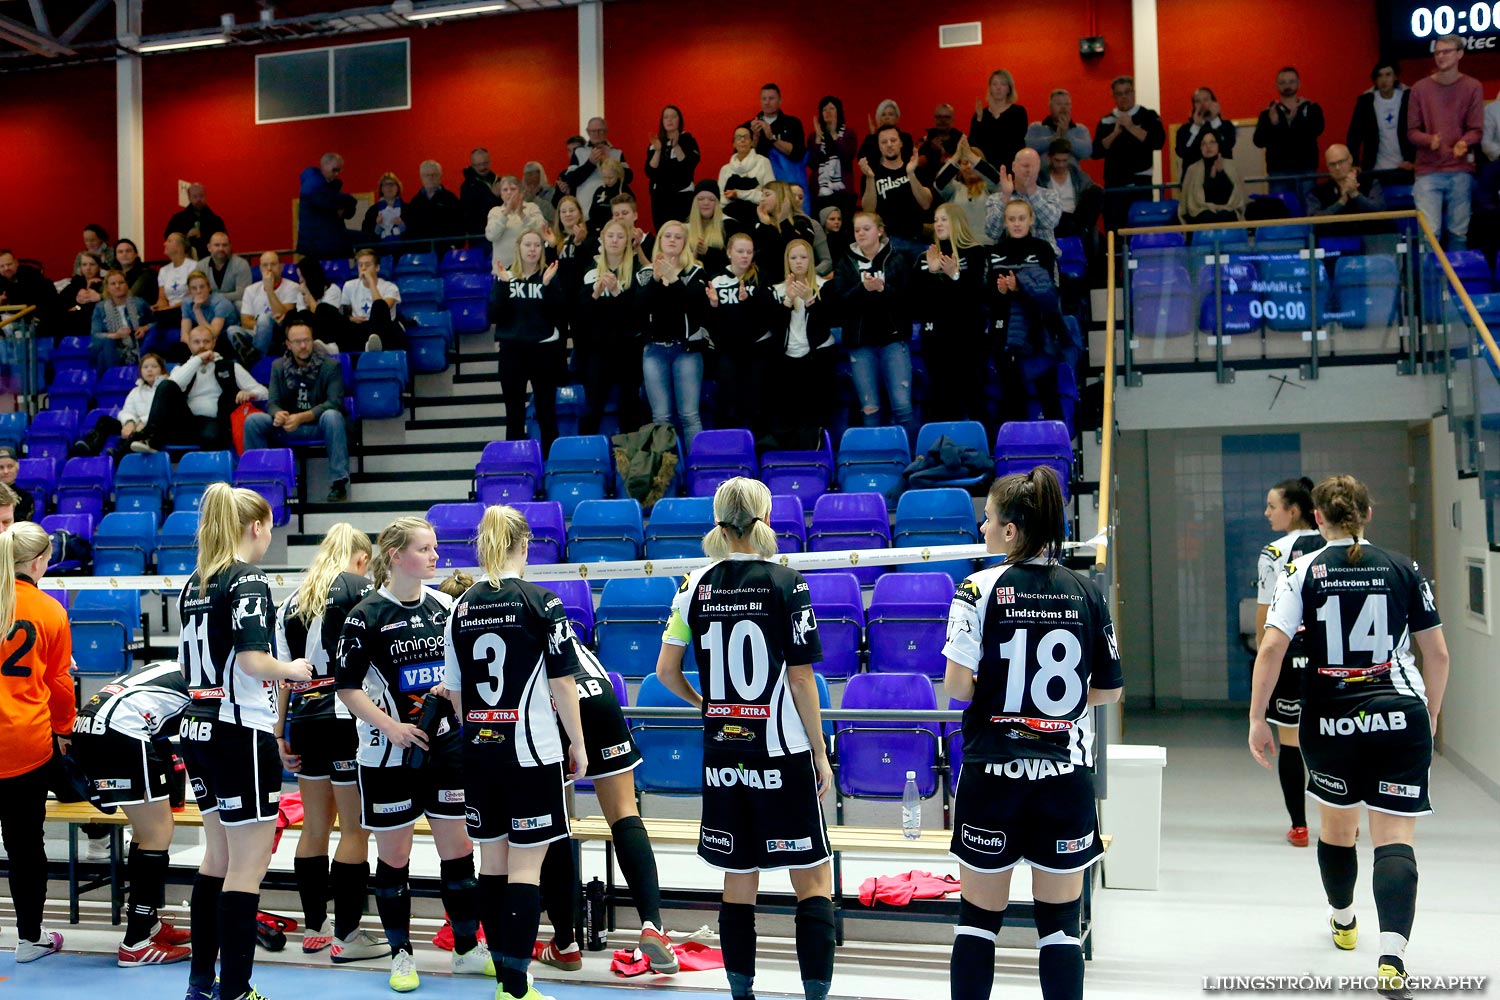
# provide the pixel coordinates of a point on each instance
(167, 934)
(151, 953)
(1297, 836)
(568, 961)
(658, 947)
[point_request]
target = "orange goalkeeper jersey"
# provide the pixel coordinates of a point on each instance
(36, 687)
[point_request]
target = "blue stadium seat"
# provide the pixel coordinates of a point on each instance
(677, 527)
(115, 384)
(1281, 237)
(85, 486)
(936, 517)
(965, 434)
(420, 291)
(871, 459)
(468, 298)
(13, 430)
(874, 757)
(1161, 302)
(549, 533)
(789, 521)
(1221, 240)
(455, 525)
(38, 476)
(339, 270)
(604, 530)
(1473, 273)
(1234, 277)
(103, 623)
(578, 602)
(142, 482)
(719, 455)
(906, 625)
(851, 521)
(124, 544)
(1158, 248)
(380, 378)
(578, 468)
(177, 544)
(271, 472)
(1153, 213)
(429, 335)
(417, 265)
(72, 354)
(806, 474)
(1022, 445)
(195, 472)
(840, 612)
(1071, 262)
(289, 272)
(472, 261)
(1367, 289)
(569, 406)
(629, 621)
(52, 433)
(508, 472)
(671, 749)
(1398, 197)
(81, 525)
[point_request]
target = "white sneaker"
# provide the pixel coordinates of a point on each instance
(474, 963)
(97, 849)
(48, 943)
(373, 343)
(325, 349)
(404, 972)
(359, 945)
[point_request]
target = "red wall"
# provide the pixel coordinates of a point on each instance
(61, 175)
(507, 83)
(669, 51)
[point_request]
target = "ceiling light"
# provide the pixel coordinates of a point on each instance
(476, 8)
(184, 43)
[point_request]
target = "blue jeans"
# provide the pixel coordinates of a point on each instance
(674, 381)
(1444, 199)
(890, 364)
(261, 433)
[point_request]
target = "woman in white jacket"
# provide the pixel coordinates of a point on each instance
(508, 220)
(743, 177)
(138, 403)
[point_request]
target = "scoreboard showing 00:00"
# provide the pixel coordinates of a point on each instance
(1475, 19)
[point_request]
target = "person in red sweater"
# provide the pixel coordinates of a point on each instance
(1445, 119)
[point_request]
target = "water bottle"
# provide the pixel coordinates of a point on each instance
(911, 809)
(597, 934)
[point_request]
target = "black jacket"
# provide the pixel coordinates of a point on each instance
(476, 196)
(524, 310)
(609, 323)
(1187, 140)
(1128, 157)
(1364, 131)
(734, 325)
(952, 307)
(785, 128)
(672, 175)
(207, 221)
(821, 315)
(1291, 142)
(771, 242)
(873, 319)
(672, 314)
(429, 218)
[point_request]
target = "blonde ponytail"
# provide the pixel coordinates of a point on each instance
(501, 531)
(223, 516)
(742, 509)
(393, 538)
(19, 544)
(340, 545)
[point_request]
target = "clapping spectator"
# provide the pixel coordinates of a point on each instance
(871, 286)
(385, 219)
(1445, 121)
(227, 274)
(525, 311)
(434, 212)
(140, 278)
(893, 192)
(322, 210)
(202, 306)
(536, 191)
(582, 179)
(1022, 183)
(672, 307)
(779, 137)
(508, 219)
(96, 242)
(1378, 140)
(741, 179)
(606, 330)
(477, 192)
(193, 404)
(1211, 187)
(1348, 189)
(305, 402)
(137, 408)
(671, 161)
(999, 123)
(196, 221)
(1059, 124)
(263, 310)
(1205, 118)
(1026, 324)
(802, 329)
(119, 323)
(777, 223)
(1288, 131)
(79, 296)
(1077, 194)
(949, 284)
(612, 183)
(708, 227)
(830, 160)
(967, 181)
(571, 234)
(887, 115)
(1126, 140)
(739, 323)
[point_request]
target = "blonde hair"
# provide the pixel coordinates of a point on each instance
(502, 530)
(456, 584)
(779, 192)
(1344, 503)
(752, 273)
(541, 262)
(199, 276)
(19, 544)
(627, 256)
(1010, 82)
(958, 222)
(393, 538)
(686, 259)
(223, 516)
(342, 543)
(812, 264)
(610, 166)
(710, 232)
(742, 508)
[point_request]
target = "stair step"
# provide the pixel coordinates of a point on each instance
(474, 421)
(425, 459)
(477, 399)
(414, 476)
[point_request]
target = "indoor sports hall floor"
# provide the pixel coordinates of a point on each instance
(1233, 900)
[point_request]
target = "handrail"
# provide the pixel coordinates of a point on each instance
(1106, 454)
(1459, 290)
(1305, 220)
(20, 313)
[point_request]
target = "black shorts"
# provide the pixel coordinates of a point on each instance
(1375, 752)
(763, 815)
(394, 797)
(328, 747)
(524, 805)
(606, 737)
(1285, 708)
(233, 770)
(122, 770)
(1036, 811)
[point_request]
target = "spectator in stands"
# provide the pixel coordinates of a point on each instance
(1444, 122)
(119, 324)
(887, 114)
(1211, 187)
(802, 331)
(830, 158)
(966, 181)
(26, 286)
(228, 274)
(622, 207)
(940, 142)
(949, 284)
(324, 300)
(1378, 139)
(1025, 319)
(137, 408)
(385, 219)
(305, 403)
(742, 178)
(1077, 194)
(1023, 183)
(9, 499)
(672, 157)
(197, 221)
(1059, 124)
(434, 212)
(1491, 142)
(1348, 190)
(571, 234)
(263, 310)
(777, 223)
(203, 307)
(369, 303)
(708, 227)
(512, 216)
(606, 330)
(1126, 140)
(1288, 131)
(778, 136)
(79, 296)
(140, 278)
(893, 192)
(322, 210)
(582, 177)
(24, 506)
(96, 242)
(738, 321)
(823, 259)
(171, 287)
(672, 304)
(871, 287)
(193, 404)
(536, 191)
(525, 309)
(612, 183)
(477, 193)
(999, 123)
(832, 221)
(1205, 118)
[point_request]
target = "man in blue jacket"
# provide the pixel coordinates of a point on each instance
(324, 207)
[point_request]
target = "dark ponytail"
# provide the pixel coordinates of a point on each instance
(1344, 503)
(1298, 492)
(1034, 504)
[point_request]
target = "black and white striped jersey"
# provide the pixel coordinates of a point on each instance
(231, 615)
(316, 698)
(505, 641)
(144, 704)
(394, 651)
(1271, 566)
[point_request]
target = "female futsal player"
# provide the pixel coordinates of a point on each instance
(1032, 649)
(1368, 715)
(764, 764)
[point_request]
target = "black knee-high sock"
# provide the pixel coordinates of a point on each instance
(523, 912)
(638, 865)
(312, 886)
(971, 970)
(815, 945)
(393, 902)
(350, 883)
(559, 890)
(1059, 950)
(1394, 880)
(160, 898)
(737, 941)
(203, 912)
(461, 899)
(236, 942)
(492, 915)
(1293, 783)
(147, 872)
(1339, 867)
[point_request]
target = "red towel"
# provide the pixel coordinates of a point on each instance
(692, 956)
(289, 812)
(443, 939)
(899, 890)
